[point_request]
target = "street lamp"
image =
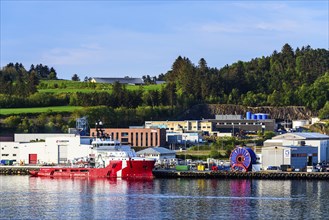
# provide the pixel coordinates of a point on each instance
(185, 136)
(99, 131)
(275, 156)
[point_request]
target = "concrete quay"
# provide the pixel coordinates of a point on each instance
(163, 173)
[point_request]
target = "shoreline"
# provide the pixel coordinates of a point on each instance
(162, 173)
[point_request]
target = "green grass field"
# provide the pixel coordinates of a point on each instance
(70, 90)
(7, 111)
(68, 86)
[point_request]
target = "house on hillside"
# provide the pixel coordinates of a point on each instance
(125, 80)
(160, 82)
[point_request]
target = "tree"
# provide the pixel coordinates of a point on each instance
(147, 80)
(324, 112)
(75, 77)
(12, 121)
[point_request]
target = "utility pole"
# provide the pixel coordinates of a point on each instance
(185, 149)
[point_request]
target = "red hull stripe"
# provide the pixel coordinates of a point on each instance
(129, 168)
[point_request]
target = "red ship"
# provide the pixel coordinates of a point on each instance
(108, 159)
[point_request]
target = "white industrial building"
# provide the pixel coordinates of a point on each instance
(161, 154)
(34, 137)
(297, 157)
(45, 148)
(320, 141)
(182, 138)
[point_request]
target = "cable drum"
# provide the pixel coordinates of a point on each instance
(242, 158)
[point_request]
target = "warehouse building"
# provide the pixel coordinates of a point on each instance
(54, 149)
(297, 157)
(320, 141)
(161, 154)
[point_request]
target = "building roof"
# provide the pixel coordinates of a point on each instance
(271, 142)
(156, 150)
(160, 82)
(126, 80)
(302, 136)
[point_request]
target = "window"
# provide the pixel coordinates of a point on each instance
(14, 155)
(124, 140)
(136, 139)
(124, 134)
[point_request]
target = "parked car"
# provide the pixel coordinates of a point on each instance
(273, 168)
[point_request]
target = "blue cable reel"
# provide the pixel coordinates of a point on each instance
(242, 158)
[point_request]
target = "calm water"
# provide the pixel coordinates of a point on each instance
(24, 197)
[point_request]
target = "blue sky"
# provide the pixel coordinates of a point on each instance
(136, 38)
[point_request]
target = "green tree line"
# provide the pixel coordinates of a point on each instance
(16, 80)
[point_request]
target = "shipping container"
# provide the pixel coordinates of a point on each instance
(248, 115)
(201, 167)
(33, 158)
(182, 167)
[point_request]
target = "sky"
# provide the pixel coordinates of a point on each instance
(136, 38)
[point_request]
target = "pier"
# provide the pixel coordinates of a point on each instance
(162, 173)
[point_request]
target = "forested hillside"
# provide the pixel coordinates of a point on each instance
(287, 78)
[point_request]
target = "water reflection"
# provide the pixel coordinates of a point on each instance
(44, 198)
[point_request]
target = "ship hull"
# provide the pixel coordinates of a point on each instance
(116, 169)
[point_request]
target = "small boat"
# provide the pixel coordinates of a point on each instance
(108, 159)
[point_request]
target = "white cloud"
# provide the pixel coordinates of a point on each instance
(284, 25)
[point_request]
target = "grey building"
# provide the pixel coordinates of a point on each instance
(161, 154)
(235, 124)
(313, 139)
(125, 80)
(298, 157)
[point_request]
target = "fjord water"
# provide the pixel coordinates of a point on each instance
(24, 197)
